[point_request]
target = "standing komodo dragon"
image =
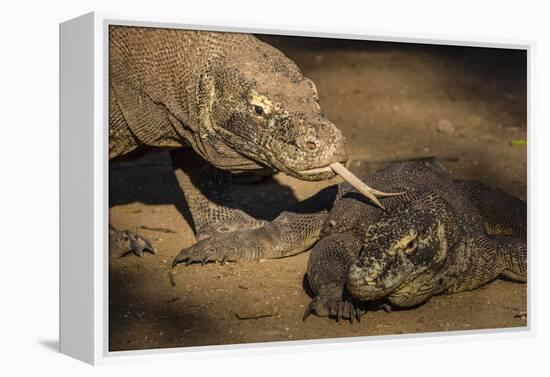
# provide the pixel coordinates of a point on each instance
(222, 103)
(442, 236)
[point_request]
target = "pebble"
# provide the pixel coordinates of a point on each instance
(256, 305)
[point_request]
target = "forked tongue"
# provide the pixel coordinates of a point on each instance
(361, 186)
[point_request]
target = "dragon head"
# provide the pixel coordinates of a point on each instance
(408, 243)
(259, 111)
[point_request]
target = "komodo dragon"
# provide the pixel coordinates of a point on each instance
(222, 103)
(442, 236)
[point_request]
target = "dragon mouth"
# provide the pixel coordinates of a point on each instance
(269, 158)
(324, 169)
(319, 173)
(324, 172)
(364, 284)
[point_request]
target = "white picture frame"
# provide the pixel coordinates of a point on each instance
(84, 191)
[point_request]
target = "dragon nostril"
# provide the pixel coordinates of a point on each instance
(310, 145)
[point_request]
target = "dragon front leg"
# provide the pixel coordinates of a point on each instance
(327, 274)
(292, 232)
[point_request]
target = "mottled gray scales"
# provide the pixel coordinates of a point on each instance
(502, 213)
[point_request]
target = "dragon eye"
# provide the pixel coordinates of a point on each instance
(259, 110)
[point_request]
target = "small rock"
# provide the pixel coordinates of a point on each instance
(256, 305)
(445, 126)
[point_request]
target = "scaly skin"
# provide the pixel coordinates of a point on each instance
(222, 102)
(443, 236)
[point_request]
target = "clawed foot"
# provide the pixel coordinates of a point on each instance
(225, 245)
(207, 250)
(337, 308)
(124, 242)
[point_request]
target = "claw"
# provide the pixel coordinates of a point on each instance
(178, 259)
(205, 258)
(149, 247)
(335, 309)
(136, 247)
(309, 310)
(142, 244)
(181, 259)
(122, 243)
(358, 313)
(139, 244)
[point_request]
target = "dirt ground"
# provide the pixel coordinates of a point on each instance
(466, 106)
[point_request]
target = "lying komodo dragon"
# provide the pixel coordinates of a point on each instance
(442, 236)
(222, 103)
